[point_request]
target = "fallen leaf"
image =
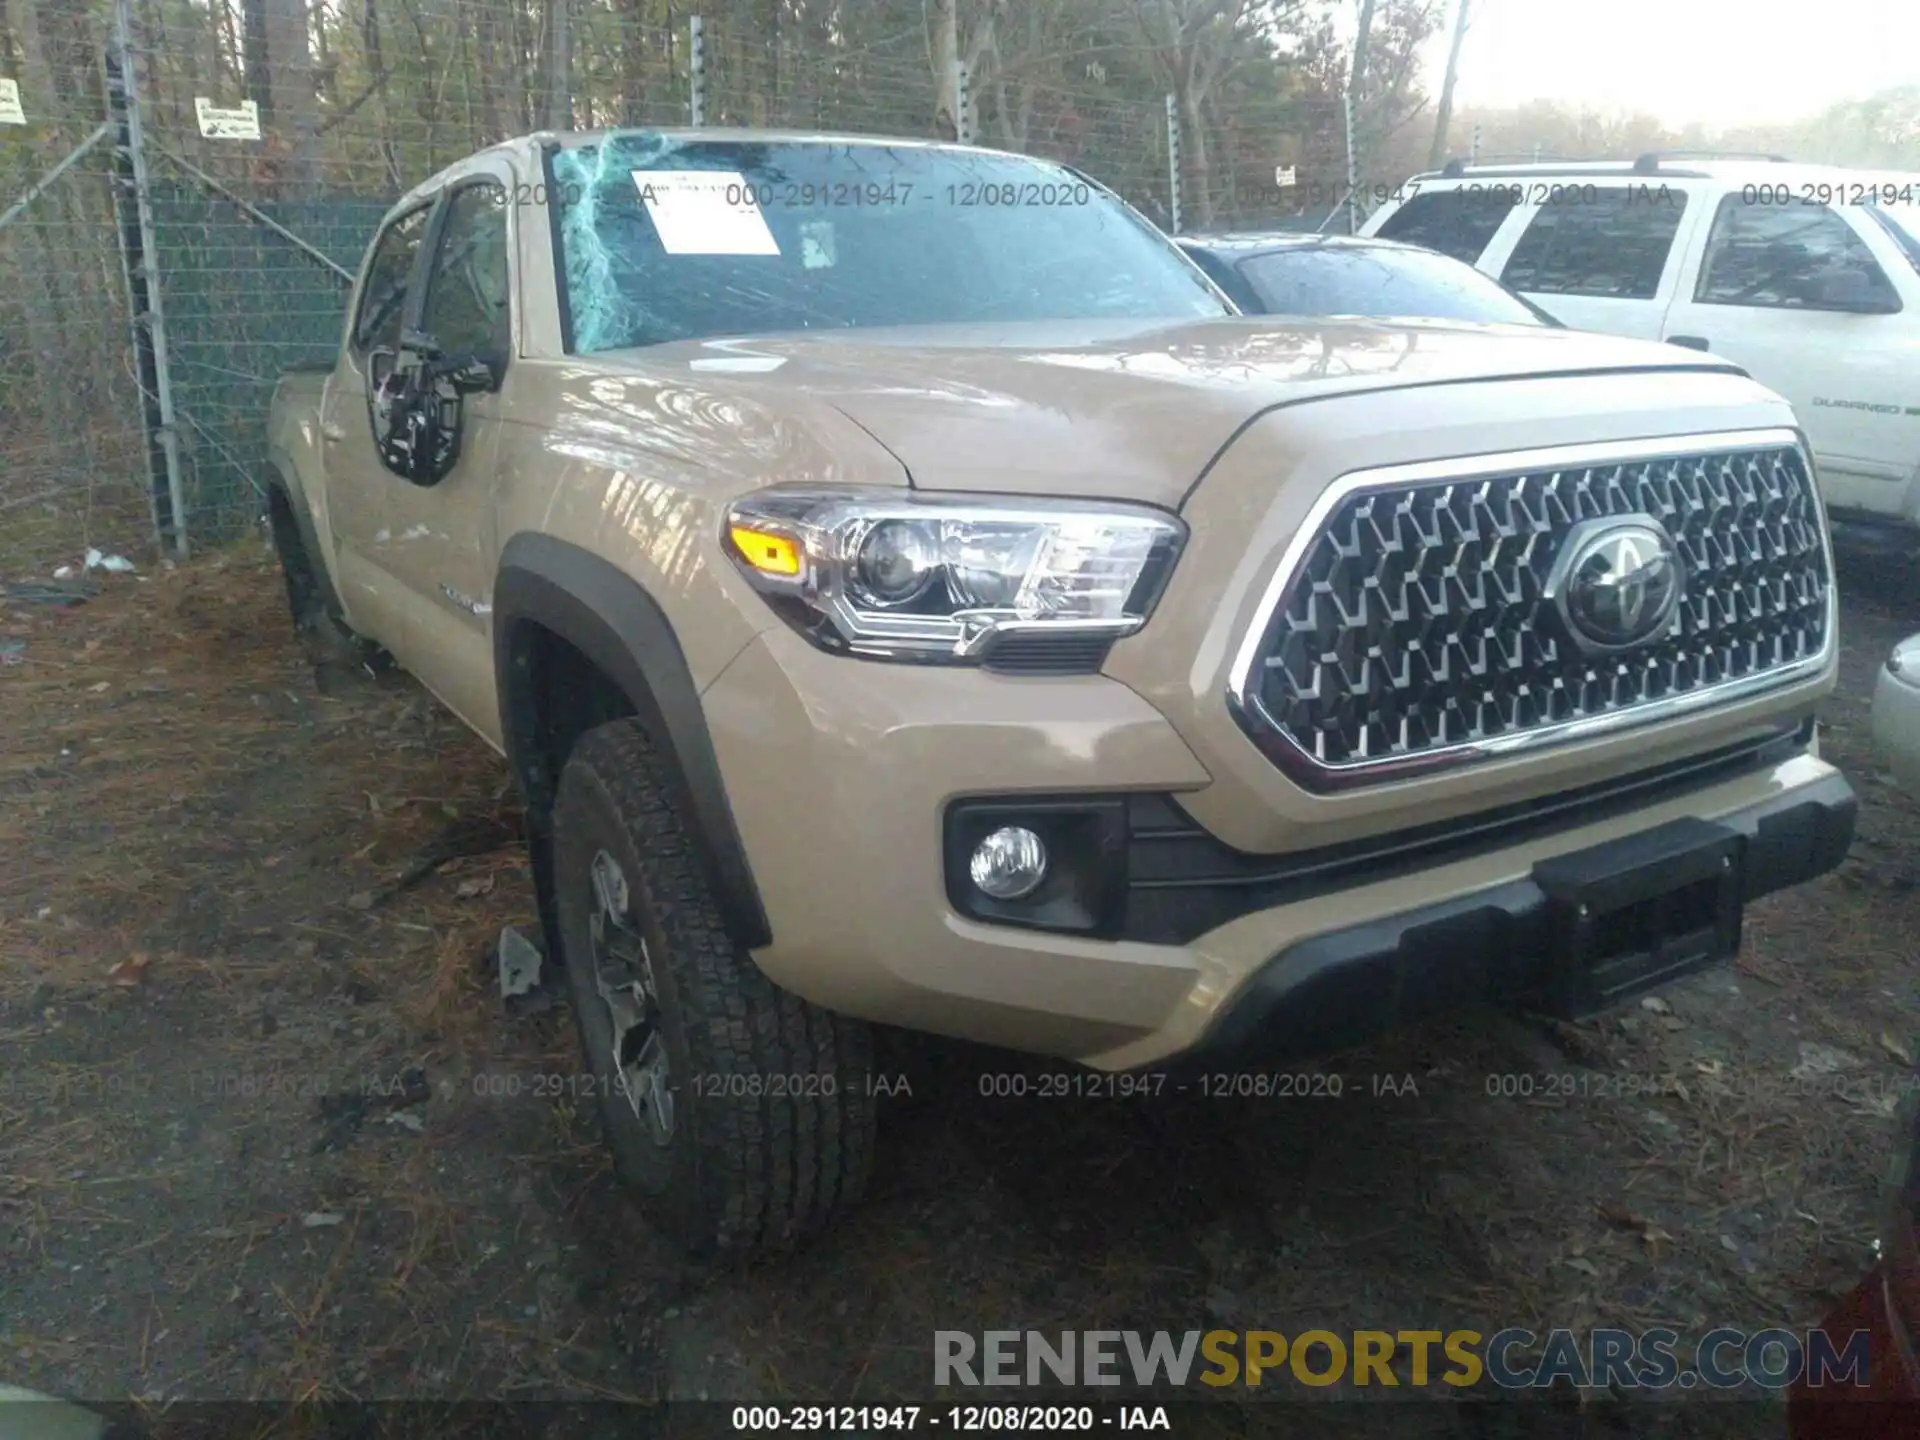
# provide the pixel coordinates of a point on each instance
(1878, 1107)
(479, 885)
(1709, 1067)
(101, 687)
(1816, 1060)
(1672, 1022)
(319, 1219)
(132, 970)
(373, 802)
(1655, 1004)
(360, 900)
(407, 1119)
(1654, 1237)
(1729, 1244)
(1894, 1048)
(1621, 1216)
(1582, 1264)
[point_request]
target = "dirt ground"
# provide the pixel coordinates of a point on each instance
(267, 1130)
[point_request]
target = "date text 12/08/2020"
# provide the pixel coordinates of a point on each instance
(903, 1419)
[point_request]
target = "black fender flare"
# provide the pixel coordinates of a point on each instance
(281, 480)
(548, 584)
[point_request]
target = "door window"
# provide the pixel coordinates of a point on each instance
(1795, 256)
(1608, 243)
(383, 297)
(1454, 222)
(467, 306)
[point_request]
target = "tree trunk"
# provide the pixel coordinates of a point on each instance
(559, 65)
(946, 68)
(633, 60)
(290, 84)
(486, 41)
(256, 67)
(1193, 146)
(1437, 154)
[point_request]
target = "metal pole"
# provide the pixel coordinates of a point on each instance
(697, 73)
(1173, 162)
(1353, 164)
(963, 98)
(150, 324)
(39, 187)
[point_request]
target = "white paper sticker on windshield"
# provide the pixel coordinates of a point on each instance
(10, 111)
(241, 122)
(705, 212)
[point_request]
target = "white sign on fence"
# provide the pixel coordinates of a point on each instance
(10, 111)
(1285, 176)
(216, 123)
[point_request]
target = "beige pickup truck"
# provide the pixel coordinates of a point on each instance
(907, 593)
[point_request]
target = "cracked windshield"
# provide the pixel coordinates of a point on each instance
(999, 715)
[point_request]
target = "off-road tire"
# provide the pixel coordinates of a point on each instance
(322, 632)
(773, 1110)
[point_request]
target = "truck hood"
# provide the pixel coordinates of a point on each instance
(1121, 409)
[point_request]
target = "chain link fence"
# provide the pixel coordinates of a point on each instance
(182, 225)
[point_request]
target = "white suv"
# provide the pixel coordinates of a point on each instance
(1806, 276)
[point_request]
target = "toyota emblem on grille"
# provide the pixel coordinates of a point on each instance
(1618, 582)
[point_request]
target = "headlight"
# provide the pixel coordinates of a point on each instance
(888, 574)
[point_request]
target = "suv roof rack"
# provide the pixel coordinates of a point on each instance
(1650, 162)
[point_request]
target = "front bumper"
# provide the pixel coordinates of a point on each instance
(840, 773)
(1344, 986)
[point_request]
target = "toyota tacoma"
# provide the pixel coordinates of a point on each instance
(908, 593)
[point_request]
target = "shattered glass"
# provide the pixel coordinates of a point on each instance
(867, 235)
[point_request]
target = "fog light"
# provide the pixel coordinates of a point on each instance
(1009, 864)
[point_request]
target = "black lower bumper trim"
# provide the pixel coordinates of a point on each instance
(1344, 987)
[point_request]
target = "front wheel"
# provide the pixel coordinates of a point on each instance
(740, 1116)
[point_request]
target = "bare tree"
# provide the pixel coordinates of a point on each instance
(1437, 155)
(1196, 43)
(291, 101)
(943, 54)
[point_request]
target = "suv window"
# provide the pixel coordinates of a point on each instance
(383, 297)
(467, 308)
(1454, 222)
(1796, 256)
(1605, 242)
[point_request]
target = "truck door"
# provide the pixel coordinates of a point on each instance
(358, 486)
(1798, 295)
(443, 546)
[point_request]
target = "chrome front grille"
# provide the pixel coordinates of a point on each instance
(1410, 626)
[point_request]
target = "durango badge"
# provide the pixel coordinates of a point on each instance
(1618, 582)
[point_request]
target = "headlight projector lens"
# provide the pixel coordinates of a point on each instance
(897, 562)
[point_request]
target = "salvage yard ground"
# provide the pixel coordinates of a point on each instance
(267, 1130)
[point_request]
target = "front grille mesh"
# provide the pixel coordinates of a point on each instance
(1415, 621)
